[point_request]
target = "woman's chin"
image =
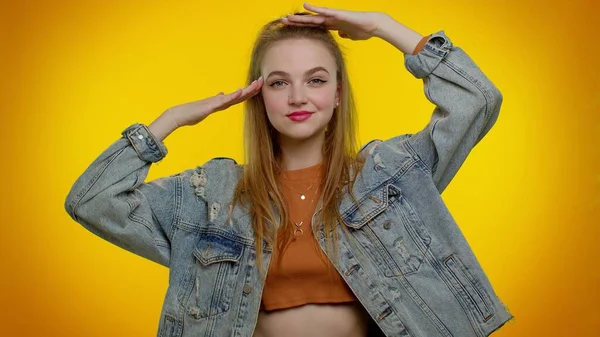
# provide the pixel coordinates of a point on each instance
(300, 135)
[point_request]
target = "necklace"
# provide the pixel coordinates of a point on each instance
(298, 230)
(302, 195)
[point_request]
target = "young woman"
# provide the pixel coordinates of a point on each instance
(310, 237)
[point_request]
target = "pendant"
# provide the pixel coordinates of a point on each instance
(302, 197)
(298, 231)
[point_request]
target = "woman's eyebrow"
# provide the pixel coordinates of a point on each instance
(307, 73)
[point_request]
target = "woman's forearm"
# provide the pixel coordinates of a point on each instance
(163, 126)
(397, 34)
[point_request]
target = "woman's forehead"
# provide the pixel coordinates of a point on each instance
(296, 57)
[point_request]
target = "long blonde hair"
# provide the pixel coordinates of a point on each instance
(258, 186)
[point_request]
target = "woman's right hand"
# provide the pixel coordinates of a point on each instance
(194, 112)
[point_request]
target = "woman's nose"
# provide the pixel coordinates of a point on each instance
(296, 96)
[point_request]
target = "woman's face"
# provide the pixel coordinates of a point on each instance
(300, 90)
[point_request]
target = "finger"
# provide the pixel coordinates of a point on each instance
(233, 95)
(301, 24)
(306, 19)
(327, 22)
(253, 90)
(223, 100)
(243, 98)
(255, 85)
(321, 10)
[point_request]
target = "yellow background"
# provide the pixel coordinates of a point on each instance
(76, 73)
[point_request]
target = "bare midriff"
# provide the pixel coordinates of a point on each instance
(314, 320)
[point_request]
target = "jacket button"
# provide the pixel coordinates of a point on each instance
(387, 224)
(247, 289)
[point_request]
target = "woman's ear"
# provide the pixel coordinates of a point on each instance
(338, 94)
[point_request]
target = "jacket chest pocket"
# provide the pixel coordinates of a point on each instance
(211, 279)
(394, 236)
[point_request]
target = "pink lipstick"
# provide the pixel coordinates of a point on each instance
(298, 116)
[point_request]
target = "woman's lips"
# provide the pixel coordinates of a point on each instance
(299, 116)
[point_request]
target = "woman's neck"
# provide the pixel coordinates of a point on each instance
(298, 154)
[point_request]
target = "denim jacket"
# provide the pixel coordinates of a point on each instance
(407, 261)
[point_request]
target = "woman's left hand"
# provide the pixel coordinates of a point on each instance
(349, 24)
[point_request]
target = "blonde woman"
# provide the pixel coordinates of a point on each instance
(311, 236)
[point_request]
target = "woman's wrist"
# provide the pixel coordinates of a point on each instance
(163, 126)
(397, 34)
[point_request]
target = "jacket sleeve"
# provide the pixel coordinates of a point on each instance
(111, 200)
(466, 106)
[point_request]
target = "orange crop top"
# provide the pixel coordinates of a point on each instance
(304, 274)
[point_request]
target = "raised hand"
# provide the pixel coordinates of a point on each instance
(349, 24)
(194, 112)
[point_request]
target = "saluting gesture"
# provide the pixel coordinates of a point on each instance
(218, 226)
(351, 25)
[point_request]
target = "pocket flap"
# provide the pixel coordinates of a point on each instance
(371, 205)
(216, 247)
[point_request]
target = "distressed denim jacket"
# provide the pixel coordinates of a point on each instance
(407, 261)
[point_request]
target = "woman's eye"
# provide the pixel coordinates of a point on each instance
(281, 83)
(276, 84)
